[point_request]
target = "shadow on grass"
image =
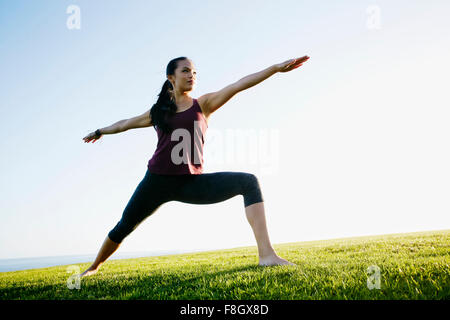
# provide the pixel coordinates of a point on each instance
(241, 282)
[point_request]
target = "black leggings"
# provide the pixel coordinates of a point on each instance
(206, 188)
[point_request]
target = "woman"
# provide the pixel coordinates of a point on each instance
(181, 122)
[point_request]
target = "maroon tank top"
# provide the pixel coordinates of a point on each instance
(181, 151)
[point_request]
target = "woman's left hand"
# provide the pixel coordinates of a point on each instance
(291, 64)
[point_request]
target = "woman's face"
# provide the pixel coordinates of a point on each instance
(185, 76)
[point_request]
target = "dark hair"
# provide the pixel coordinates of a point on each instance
(165, 105)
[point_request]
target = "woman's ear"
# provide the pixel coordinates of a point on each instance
(171, 79)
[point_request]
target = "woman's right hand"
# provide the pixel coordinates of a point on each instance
(91, 137)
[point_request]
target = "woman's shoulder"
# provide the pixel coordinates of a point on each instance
(201, 101)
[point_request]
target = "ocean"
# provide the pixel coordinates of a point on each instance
(45, 262)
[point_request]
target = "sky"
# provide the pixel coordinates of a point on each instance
(354, 142)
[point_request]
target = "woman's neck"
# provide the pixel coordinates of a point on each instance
(183, 99)
(181, 95)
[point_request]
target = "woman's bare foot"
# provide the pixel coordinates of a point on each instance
(274, 260)
(89, 272)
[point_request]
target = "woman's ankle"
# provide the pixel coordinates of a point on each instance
(95, 266)
(266, 253)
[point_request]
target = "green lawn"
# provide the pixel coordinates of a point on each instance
(410, 266)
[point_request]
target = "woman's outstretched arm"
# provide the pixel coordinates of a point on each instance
(112, 129)
(215, 100)
(142, 121)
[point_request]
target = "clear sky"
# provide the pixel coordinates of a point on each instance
(354, 142)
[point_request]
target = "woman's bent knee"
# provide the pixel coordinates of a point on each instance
(252, 190)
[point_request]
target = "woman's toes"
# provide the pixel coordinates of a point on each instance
(275, 261)
(88, 273)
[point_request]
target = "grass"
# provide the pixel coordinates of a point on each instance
(411, 266)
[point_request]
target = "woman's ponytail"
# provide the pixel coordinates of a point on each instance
(165, 106)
